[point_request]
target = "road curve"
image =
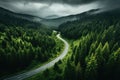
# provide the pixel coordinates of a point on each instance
(44, 67)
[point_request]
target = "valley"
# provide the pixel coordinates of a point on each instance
(84, 46)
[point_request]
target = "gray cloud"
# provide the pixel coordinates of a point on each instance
(53, 1)
(43, 8)
(46, 9)
(110, 3)
(74, 2)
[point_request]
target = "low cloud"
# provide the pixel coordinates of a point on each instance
(53, 1)
(44, 8)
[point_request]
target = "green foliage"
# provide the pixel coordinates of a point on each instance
(91, 68)
(113, 66)
(20, 46)
(78, 72)
(106, 51)
(97, 55)
(69, 71)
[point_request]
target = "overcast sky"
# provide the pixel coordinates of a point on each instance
(57, 8)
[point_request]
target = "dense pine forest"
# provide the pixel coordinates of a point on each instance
(27, 45)
(24, 43)
(95, 49)
(97, 55)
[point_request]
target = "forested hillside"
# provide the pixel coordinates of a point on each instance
(94, 45)
(94, 52)
(97, 54)
(95, 49)
(24, 43)
(14, 19)
(20, 46)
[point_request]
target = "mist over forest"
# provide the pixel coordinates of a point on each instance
(59, 40)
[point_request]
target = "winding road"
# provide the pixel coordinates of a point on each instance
(44, 67)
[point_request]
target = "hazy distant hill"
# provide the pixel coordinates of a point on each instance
(17, 18)
(18, 15)
(10, 18)
(58, 21)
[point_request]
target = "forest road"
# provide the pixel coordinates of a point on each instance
(44, 67)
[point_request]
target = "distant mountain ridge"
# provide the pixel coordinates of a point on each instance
(11, 18)
(4, 14)
(60, 20)
(19, 15)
